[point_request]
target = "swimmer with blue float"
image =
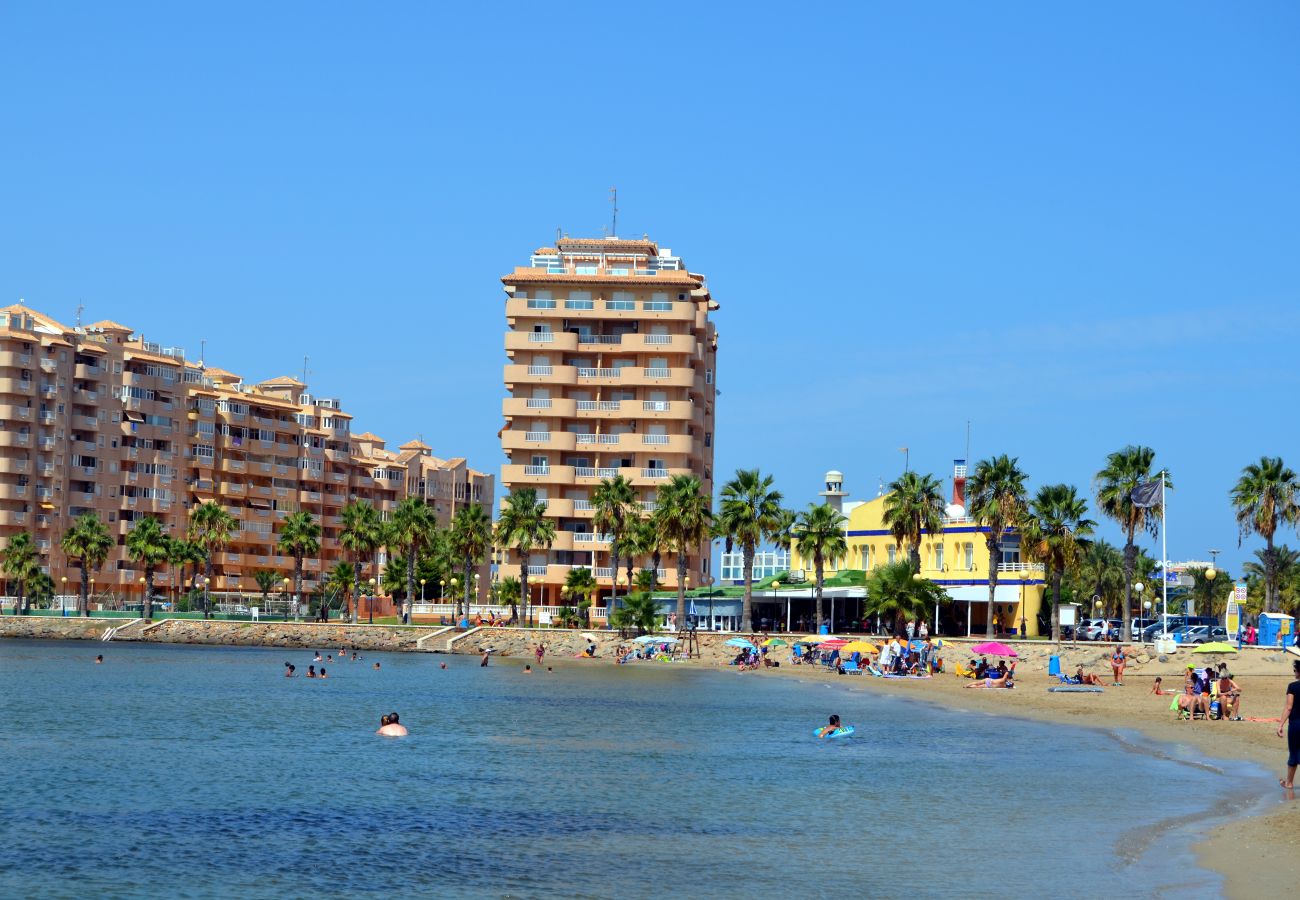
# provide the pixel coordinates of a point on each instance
(834, 729)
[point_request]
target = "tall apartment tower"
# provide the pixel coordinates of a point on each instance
(612, 369)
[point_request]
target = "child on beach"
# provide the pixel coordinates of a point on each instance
(1158, 690)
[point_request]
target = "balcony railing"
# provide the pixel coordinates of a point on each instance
(658, 338)
(656, 372)
(597, 373)
(536, 570)
(654, 473)
(649, 505)
(541, 337)
(1020, 567)
(655, 438)
(585, 537)
(600, 338)
(603, 572)
(600, 405)
(537, 435)
(620, 305)
(534, 303)
(657, 306)
(537, 403)
(582, 505)
(537, 470)
(541, 370)
(584, 438)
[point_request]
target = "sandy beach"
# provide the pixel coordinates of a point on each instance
(1251, 852)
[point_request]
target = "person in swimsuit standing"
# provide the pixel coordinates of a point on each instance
(1291, 725)
(1118, 660)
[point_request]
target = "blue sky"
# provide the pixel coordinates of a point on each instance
(1075, 227)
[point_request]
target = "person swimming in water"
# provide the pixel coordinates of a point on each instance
(289, 670)
(311, 671)
(322, 673)
(390, 726)
(528, 670)
(832, 726)
(442, 666)
(375, 666)
(329, 658)
(99, 659)
(317, 657)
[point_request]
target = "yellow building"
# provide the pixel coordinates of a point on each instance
(956, 559)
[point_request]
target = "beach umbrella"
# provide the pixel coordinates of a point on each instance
(1215, 647)
(588, 636)
(833, 643)
(741, 643)
(859, 647)
(774, 642)
(654, 639)
(993, 648)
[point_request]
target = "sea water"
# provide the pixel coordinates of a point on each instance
(202, 772)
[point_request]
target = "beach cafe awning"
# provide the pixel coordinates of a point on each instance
(978, 593)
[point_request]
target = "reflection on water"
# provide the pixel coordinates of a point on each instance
(192, 771)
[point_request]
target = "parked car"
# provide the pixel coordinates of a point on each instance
(1200, 634)
(1137, 626)
(1149, 633)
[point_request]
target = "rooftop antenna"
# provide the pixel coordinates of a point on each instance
(203, 348)
(968, 440)
(613, 199)
(304, 370)
(81, 307)
(559, 233)
(880, 490)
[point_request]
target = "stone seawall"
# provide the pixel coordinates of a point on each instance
(303, 635)
(49, 628)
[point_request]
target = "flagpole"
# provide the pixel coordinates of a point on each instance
(1164, 560)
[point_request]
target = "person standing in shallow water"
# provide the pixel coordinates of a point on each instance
(1291, 725)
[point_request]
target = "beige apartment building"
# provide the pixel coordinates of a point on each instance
(95, 418)
(611, 370)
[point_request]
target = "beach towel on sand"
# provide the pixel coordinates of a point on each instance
(1075, 689)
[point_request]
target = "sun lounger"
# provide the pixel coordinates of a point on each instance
(852, 668)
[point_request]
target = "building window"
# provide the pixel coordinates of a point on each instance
(938, 557)
(970, 557)
(892, 551)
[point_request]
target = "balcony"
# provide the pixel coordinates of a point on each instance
(580, 537)
(16, 386)
(48, 390)
(602, 406)
(517, 474)
(85, 370)
(11, 466)
(15, 439)
(669, 443)
(1026, 568)
(86, 421)
(45, 417)
(15, 360)
(14, 492)
(46, 444)
(522, 374)
(588, 472)
(309, 496)
(559, 341)
(607, 374)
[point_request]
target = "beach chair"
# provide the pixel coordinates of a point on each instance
(1067, 679)
(852, 668)
(963, 672)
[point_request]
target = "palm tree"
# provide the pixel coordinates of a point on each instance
(299, 537)
(749, 511)
(1125, 470)
(1100, 574)
(523, 526)
(88, 542)
(895, 593)
(640, 612)
(508, 595)
(1285, 565)
(340, 579)
(361, 535)
(1055, 532)
(614, 503)
(914, 506)
(996, 500)
(1264, 497)
(148, 545)
(641, 541)
(579, 587)
(783, 533)
(21, 564)
(412, 530)
(211, 528)
(469, 542)
(819, 535)
(266, 582)
(41, 588)
(184, 553)
(682, 518)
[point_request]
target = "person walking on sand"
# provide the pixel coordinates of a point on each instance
(924, 631)
(1291, 725)
(911, 630)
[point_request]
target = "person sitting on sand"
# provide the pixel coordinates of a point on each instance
(991, 680)
(827, 729)
(390, 727)
(1158, 690)
(1081, 677)
(1229, 697)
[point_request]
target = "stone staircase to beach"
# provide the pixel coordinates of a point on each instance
(437, 641)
